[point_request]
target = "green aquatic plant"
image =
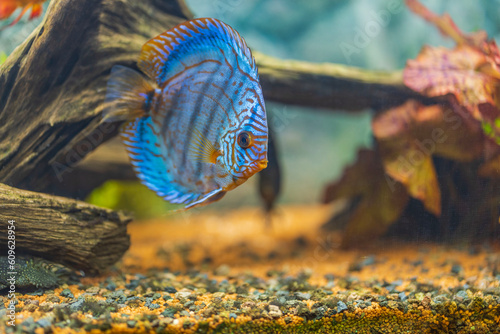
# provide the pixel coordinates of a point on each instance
(3, 57)
(130, 196)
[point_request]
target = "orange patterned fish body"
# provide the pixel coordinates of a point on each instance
(7, 7)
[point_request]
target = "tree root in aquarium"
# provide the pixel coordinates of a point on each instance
(65, 231)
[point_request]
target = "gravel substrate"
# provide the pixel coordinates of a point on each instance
(248, 281)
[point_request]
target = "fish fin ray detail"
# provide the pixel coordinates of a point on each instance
(211, 197)
(148, 163)
(201, 149)
(185, 39)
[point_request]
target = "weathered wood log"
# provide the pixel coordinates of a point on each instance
(330, 86)
(69, 232)
(52, 87)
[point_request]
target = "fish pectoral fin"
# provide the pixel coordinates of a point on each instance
(201, 149)
(211, 197)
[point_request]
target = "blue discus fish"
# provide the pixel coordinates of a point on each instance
(196, 123)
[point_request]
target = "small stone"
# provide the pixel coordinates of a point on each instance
(153, 306)
(248, 305)
(77, 305)
(67, 293)
(222, 270)
(169, 312)
(303, 295)
(28, 325)
(52, 298)
(219, 295)
(182, 295)
(94, 290)
(46, 307)
(170, 289)
(131, 323)
(45, 322)
(35, 302)
(456, 269)
(232, 316)
(461, 296)
(188, 304)
(274, 311)
(341, 306)
(329, 277)
(30, 307)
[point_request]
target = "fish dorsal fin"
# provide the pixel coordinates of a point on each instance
(197, 38)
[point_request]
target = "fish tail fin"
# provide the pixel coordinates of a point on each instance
(129, 95)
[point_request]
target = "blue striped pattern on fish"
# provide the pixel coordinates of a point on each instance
(198, 127)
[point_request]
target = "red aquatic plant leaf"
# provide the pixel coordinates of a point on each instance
(409, 135)
(7, 7)
(439, 71)
(470, 72)
(446, 25)
(380, 200)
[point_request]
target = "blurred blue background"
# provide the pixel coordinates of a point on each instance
(315, 145)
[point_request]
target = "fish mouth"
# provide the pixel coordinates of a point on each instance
(262, 164)
(258, 165)
(251, 169)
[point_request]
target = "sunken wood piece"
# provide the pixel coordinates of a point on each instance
(52, 87)
(330, 86)
(69, 232)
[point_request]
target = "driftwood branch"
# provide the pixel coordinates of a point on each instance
(64, 231)
(330, 86)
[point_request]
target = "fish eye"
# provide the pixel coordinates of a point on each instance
(245, 139)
